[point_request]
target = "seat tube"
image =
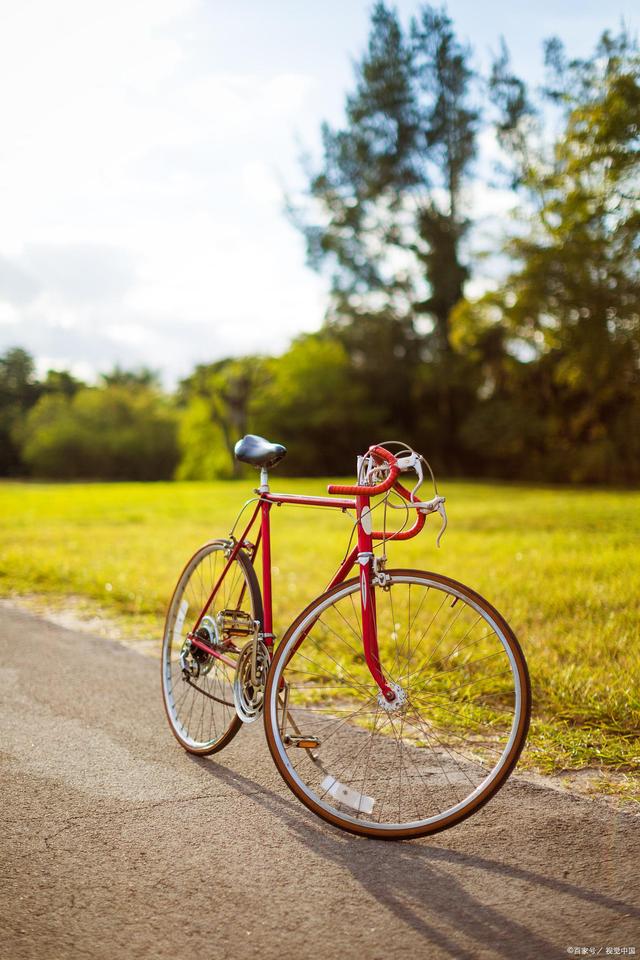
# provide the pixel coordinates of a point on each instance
(266, 574)
(368, 597)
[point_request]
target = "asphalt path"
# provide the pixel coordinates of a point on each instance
(117, 844)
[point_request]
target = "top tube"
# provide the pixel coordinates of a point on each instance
(304, 501)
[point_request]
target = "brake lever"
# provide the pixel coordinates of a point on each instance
(412, 462)
(435, 505)
(443, 513)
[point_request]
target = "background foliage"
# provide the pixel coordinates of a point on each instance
(538, 378)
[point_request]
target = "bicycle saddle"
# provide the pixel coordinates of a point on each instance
(259, 452)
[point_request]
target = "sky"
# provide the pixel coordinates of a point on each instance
(145, 149)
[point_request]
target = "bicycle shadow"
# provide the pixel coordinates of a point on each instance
(413, 880)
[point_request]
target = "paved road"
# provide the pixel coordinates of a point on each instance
(117, 844)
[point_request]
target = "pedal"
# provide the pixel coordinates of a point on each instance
(305, 743)
(235, 623)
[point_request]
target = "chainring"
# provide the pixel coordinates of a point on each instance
(248, 695)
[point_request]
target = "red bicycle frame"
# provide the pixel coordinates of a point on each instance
(362, 555)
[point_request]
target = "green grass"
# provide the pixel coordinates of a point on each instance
(561, 565)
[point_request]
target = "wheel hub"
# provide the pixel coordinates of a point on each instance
(399, 702)
(194, 661)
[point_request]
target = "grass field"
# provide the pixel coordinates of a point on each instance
(561, 565)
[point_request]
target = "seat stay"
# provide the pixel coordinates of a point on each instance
(235, 549)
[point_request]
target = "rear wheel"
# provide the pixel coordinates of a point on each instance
(441, 749)
(198, 688)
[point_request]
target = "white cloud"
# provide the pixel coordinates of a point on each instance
(9, 316)
(17, 285)
(141, 203)
(80, 273)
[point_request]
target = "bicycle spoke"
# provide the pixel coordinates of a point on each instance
(420, 757)
(203, 714)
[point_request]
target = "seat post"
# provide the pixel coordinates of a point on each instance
(264, 481)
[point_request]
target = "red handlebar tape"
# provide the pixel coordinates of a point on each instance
(381, 454)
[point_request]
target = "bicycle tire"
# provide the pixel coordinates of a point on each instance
(287, 757)
(217, 694)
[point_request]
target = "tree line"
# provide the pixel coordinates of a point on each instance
(537, 378)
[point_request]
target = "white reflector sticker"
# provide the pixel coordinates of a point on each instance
(177, 628)
(343, 793)
(365, 520)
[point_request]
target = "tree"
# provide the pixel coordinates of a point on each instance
(217, 399)
(390, 188)
(111, 433)
(61, 381)
(449, 129)
(19, 390)
(313, 405)
(572, 305)
(142, 377)
(390, 219)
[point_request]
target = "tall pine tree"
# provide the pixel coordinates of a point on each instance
(387, 216)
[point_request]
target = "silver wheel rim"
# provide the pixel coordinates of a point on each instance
(218, 682)
(274, 706)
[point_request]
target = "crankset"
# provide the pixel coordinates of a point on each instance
(250, 678)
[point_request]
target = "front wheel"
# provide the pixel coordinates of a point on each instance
(444, 746)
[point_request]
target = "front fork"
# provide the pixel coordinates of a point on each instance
(368, 597)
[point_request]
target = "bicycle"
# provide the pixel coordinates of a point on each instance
(396, 704)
